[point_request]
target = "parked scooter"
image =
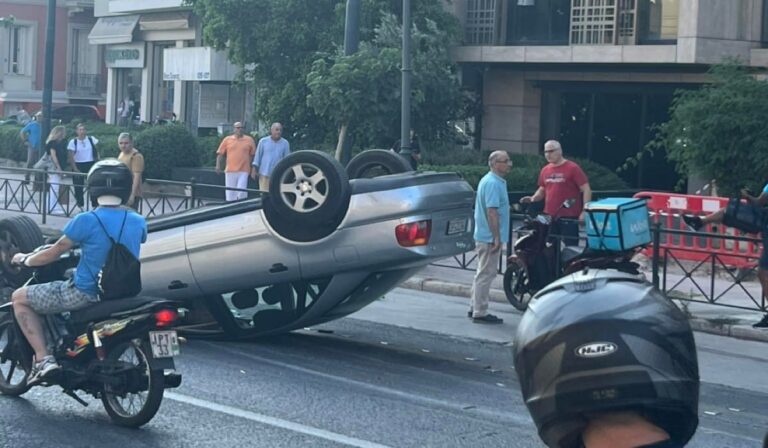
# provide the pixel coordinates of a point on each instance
(532, 264)
(118, 351)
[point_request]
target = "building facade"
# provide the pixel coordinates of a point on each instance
(157, 68)
(596, 74)
(79, 77)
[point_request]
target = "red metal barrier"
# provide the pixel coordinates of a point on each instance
(668, 208)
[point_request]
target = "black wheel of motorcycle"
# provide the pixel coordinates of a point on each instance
(13, 373)
(376, 162)
(17, 234)
(516, 286)
(131, 409)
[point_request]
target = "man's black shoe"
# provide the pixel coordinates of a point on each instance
(469, 314)
(487, 319)
(763, 323)
(693, 222)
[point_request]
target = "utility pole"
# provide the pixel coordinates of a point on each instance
(351, 44)
(50, 40)
(407, 70)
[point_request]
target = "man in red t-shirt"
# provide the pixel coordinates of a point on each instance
(560, 180)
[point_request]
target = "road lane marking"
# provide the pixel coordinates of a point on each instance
(409, 396)
(273, 421)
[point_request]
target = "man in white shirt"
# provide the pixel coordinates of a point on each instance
(82, 155)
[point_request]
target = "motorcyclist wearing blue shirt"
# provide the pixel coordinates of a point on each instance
(109, 185)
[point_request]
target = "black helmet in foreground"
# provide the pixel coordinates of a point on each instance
(109, 182)
(602, 341)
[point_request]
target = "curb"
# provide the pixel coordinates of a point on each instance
(437, 286)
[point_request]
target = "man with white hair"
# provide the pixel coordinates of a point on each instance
(238, 149)
(271, 150)
(559, 180)
(491, 233)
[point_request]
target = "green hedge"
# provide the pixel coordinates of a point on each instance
(525, 173)
(163, 147)
(207, 147)
(11, 146)
(166, 147)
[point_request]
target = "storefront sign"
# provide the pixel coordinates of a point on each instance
(124, 56)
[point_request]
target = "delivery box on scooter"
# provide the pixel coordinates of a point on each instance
(617, 224)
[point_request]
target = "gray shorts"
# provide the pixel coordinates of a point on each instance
(58, 297)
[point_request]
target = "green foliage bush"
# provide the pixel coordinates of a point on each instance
(166, 147)
(163, 147)
(525, 173)
(207, 147)
(11, 146)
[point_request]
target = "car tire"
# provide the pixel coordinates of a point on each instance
(308, 196)
(17, 234)
(377, 162)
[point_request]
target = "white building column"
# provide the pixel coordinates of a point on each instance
(179, 94)
(111, 95)
(145, 111)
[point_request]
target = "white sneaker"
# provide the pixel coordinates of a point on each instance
(42, 369)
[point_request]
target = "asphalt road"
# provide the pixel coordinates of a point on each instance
(357, 383)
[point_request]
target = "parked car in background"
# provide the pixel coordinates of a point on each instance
(76, 112)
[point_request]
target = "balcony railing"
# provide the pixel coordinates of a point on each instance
(570, 22)
(85, 84)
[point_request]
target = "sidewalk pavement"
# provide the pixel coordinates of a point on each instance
(704, 317)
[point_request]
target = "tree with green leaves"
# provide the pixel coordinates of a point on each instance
(363, 89)
(291, 52)
(719, 131)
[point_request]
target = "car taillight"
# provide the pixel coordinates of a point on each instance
(414, 233)
(165, 318)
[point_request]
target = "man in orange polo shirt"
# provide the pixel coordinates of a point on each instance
(239, 150)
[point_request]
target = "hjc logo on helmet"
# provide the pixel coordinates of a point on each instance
(596, 349)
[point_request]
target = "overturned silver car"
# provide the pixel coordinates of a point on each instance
(318, 247)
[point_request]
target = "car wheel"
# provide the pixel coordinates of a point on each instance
(308, 196)
(17, 234)
(377, 162)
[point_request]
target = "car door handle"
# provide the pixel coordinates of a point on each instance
(177, 284)
(277, 268)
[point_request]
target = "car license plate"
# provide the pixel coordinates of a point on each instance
(165, 344)
(457, 226)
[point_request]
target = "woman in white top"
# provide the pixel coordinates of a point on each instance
(82, 155)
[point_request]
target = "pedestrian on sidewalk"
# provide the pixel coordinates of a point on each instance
(560, 180)
(56, 147)
(31, 136)
(83, 153)
(491, 233)
(271, 150)
(134, 160)
(696, 223)
(238, 149)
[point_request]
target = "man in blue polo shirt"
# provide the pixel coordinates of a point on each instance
(30, 135)
(491, 233)
(270, 150)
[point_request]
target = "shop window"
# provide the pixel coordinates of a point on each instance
(658, 20)
(20, 50)
(538, 22)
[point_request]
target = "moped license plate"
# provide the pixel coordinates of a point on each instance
(456, 226)
(165, 344)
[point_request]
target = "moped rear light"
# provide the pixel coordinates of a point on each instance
(165, 318)
(414, 233)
